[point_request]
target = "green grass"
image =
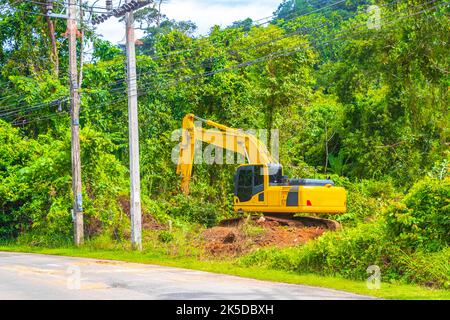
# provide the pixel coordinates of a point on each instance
(387, 290)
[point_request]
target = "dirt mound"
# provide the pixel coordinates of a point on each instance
(148, 221)
(222, 234)
(283, 237)
(239, 236)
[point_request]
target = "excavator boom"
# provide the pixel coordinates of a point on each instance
(237, 141)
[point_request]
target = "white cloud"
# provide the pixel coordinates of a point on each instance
(112, 30)
(204, 13)
(209, 13)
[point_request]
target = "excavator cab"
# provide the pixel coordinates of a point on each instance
(249, 183)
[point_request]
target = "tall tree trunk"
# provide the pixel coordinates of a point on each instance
(51, 31)
(270, 108)
(158, 20)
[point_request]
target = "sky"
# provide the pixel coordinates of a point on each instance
(204, 13)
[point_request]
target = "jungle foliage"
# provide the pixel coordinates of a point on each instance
(368, 105)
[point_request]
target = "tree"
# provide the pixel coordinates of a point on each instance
(154, 24)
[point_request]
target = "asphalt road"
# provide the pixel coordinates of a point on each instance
(34, 276)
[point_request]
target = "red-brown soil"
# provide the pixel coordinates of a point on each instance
(242, 236)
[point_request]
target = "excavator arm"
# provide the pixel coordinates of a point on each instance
(235, 140)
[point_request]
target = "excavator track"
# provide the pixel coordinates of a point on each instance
(286, 220)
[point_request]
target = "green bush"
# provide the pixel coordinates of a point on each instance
(347, 253)
(422, 219)
(35, 188)
(430, 269)
(192, 209)
(366, 199)
(165, 236)
(350, 252)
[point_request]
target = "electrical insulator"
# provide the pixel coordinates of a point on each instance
(109, 5)
(49, 6)
(120, 11)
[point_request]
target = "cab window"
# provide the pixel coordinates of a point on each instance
(258, 175)
(276, 176)
(245, 178)
(249, 181)
(244, 186)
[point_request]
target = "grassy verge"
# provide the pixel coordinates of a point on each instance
(387, 291)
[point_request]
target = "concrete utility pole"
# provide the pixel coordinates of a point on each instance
(75, 113)
(135, 191)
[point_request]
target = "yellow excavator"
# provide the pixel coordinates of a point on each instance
(260, 185)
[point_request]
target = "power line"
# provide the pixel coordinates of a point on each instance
(48, 117)
(65, 4)
(304, 13)
(309, 12)
(246, 48)
(273, 55)
(17, 110)
(171, 70)
(286, 53)
(12, 7)
(294, 33)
